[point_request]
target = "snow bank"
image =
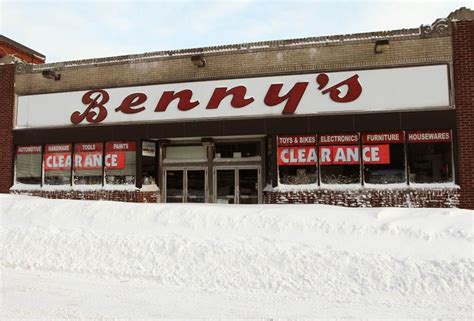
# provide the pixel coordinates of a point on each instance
(248, 261)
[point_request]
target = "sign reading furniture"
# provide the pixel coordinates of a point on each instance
(303, 94)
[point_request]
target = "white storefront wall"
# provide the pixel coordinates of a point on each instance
(390, 89)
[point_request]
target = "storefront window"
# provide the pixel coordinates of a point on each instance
(297, 159)
(237, 150)
(88, 163)
(339, 158)
(28, 164)
(383, 155)
(149, 163)
(57, 164)
(120, 163)
(430, 156)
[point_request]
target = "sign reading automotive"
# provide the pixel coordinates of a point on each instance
(304, 94)
(30, 149)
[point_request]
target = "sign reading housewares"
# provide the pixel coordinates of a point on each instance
(372, 90)
(430, 136)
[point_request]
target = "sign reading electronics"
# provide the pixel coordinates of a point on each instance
(304, 94)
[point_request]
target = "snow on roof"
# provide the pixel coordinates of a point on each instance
(234, 48)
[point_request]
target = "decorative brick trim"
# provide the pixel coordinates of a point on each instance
(443, 197)
(7, 100)
(463, 65)
(122, 196)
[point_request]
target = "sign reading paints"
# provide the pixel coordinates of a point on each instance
(302, 94)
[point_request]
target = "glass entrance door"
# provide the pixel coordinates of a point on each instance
(248, 186)
(225, 186)
(185, 185)
(237, 185)
(195, 186)
(174, 186)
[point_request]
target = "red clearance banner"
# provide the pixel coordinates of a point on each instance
(88, 161)
(88, 156)
(299, 140)
(385, 137)
(347, 155)
(429, 136)
(57, 161)
(339, 139)
(303, 155)
(125, 146)
(30, 149)
(115, 160)
(333, 155)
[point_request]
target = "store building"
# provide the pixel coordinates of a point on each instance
(373, 119)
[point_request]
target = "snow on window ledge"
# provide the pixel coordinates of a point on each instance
(108, 187)
(312, 187)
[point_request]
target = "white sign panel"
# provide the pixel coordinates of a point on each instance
(376, 90)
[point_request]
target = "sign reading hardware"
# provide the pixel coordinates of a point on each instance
(302, 94)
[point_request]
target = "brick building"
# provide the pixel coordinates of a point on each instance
(372, 119)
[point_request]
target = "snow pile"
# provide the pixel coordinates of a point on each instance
(121, 260)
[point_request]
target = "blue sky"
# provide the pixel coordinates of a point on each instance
(70, 30)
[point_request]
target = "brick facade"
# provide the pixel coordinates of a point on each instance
(364, 197)
(406, 48)
(110, 195)
(463, 63)
(443, 42)
(7, 99)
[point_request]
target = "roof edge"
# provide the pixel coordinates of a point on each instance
(22, 47)
(230, 48)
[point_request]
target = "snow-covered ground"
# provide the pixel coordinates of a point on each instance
(102, 260)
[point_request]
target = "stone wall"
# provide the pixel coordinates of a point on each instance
(365, 197)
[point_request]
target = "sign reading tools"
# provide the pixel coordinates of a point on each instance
(340, 149)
